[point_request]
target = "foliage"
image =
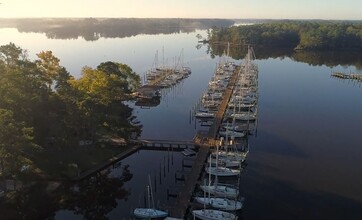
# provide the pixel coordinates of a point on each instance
(41, 104)
(16, 143)
(301, 35)
(92, 29)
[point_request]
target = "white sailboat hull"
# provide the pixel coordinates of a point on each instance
(220, 203)
(243, 116)
(149, 213)
(209, 214)
(222, 171)
(227, 162)
(231, 133)
(204, 115)
(241, 156)
(221, 190)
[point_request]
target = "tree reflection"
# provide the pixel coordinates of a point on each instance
(93, 198)
(92, 29)
(315, 58)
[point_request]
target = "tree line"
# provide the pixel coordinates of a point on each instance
(43, 108)
(92, 29)
(299, 35)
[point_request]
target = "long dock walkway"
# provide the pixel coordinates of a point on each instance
(160, 78)
(182, 203)
(224, 103)
(352, 76)
(145, 144)
(180, 207)
(106, 163)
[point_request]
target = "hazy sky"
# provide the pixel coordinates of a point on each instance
(277, 9)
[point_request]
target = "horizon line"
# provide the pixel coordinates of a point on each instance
(276, 19)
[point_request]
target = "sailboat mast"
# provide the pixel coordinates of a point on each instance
(163, 57)
(205, 194)
(150, 189)
(210, 173)
(148, 197)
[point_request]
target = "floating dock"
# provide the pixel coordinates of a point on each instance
(352, 76)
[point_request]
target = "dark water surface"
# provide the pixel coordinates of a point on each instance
(305, 161)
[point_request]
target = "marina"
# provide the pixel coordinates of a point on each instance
(306, 121)
(158, 78)
(202, 145)
(210, 141)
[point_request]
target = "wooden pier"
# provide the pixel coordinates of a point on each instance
(352, 76)
(223, 105)
(179, 209)
(164, 143)
(105, 164)
(182, 204)
(156, 81)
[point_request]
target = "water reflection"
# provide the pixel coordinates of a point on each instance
(147, 103)
(92, 29)
(304, 164)
(92, 198)
(314, 58)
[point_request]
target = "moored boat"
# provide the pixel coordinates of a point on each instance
(149, 213)
(222, 171)
(204, 115)
(210, 214)
(221, 203)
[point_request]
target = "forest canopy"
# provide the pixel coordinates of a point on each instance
(299, 35)
(44, 109)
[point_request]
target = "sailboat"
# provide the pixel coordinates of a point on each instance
(218, 189)
(233, 133)
(149, 212)
(225, 161)
(222, 171)
(210, 214)
(229, 155)
(221, 203)
(221, 190)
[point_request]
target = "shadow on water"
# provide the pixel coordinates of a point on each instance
(272, 144)
(275, 199)
(92, 198)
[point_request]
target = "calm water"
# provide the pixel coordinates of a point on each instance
(305, 161)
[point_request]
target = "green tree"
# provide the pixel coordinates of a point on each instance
(129, 81)
(49, 66)
(16, 144)
(10, 53)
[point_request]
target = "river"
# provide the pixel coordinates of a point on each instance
(305, 160)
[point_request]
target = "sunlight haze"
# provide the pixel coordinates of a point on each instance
(273, 9)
